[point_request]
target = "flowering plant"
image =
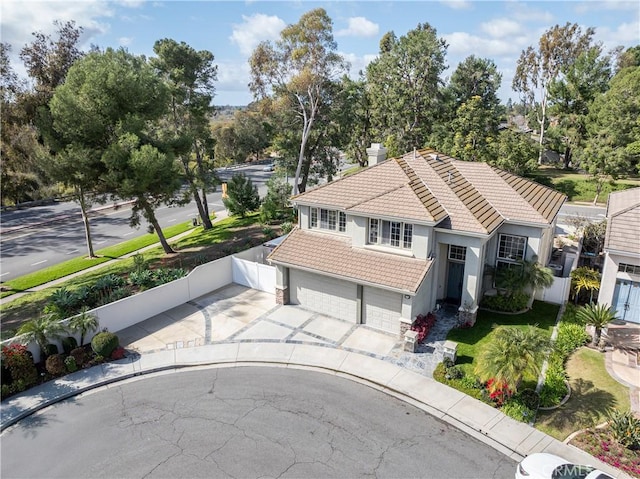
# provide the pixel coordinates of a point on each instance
(423, 324)
(499, 391)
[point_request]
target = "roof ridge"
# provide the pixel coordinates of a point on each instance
(627, 209)
(366, 200)
(465, 186)
(366, 168)
(427, 198)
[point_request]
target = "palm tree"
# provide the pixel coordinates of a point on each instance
(41, 330)
(84, 323)
(524, 274)
(512, 353)
(586, 279)
(596, 315)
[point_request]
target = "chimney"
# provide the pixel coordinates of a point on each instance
(376, 154)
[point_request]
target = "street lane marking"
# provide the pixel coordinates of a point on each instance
(128, 234)
(39, 262)
(99, 242)
(171, 221)
(72, 251)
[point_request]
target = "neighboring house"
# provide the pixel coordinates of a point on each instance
(620, 285)
(389, 242)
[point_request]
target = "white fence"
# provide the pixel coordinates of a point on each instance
(557, 293)
(201, 280)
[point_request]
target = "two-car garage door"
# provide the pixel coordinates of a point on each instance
(381, 309)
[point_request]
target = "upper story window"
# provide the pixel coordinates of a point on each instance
(390, 233)
(457, 253)
(328, 219)
(629, 268)
(512, 248)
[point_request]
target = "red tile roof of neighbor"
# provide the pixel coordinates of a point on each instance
(423, 187)
(623, 227)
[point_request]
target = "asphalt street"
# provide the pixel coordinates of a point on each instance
(34, 238)
(247, 422)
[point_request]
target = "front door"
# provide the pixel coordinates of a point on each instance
(626, 300)
(455, 277)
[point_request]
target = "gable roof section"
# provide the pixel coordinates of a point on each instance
(428, 186)
(333, 255)
(623, 227)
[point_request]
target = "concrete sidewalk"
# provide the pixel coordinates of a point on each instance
(237, 326)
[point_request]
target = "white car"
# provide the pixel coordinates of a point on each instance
(547, 466)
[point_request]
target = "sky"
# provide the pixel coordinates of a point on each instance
(497, 30)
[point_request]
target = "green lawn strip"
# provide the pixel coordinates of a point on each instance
(31, 305)
(470, 341)
(75, 265)
(594, 393)
(578, 186)
(221, 231)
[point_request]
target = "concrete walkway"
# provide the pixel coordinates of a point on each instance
(237, 326)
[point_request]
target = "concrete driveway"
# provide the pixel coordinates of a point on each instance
(239, 314)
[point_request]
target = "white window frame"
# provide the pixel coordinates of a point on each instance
(393, 234)
(326, 219)
(510, 238)
(457, 253)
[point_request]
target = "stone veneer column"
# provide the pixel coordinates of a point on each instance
(467, 315)
(405, 325)
(282, 295)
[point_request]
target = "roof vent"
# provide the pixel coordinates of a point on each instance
(450, 176)
(435, 156)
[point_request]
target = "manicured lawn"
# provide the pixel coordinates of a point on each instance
(594, 393)
(470, 341)
(66, 268)
(578, 186)
(222, 231)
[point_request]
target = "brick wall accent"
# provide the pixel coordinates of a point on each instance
(282, 295)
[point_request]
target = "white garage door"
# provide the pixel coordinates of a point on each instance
(382, 309)
(333, 297)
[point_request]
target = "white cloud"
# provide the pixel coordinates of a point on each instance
(625, 34)
(255, 29)
(458, 4)
(462, 43)
(523, 12)
(357, 63)
(501, 27)
(359, 27)
(125, 41)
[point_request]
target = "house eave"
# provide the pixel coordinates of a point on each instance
(619, 252)
(345, 278)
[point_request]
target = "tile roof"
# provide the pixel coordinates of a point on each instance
(623, 226)
(428, 186)
(333, 255)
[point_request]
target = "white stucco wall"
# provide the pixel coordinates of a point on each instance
(610, 273)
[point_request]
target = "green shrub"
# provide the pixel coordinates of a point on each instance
(508, 303)
(80, 355)
(166, 275)
(287, 226)
(116, 294)
(70, 364)
(439, 374)
(570, 337)
(516, 409)
(50, 349)
(139, 263)
(20, 363)
(554, 388)
(625, 428)
(529, 398)
(105, 343)
(269, 232)
(5, 391)
(55, 365)
(142, 279)
(68, 344)
(454, 372)
(470, 382)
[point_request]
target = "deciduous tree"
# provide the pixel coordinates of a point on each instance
(297, 70)
(538, 67)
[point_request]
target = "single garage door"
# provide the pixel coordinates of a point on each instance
(333, 297)
(382, 309)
